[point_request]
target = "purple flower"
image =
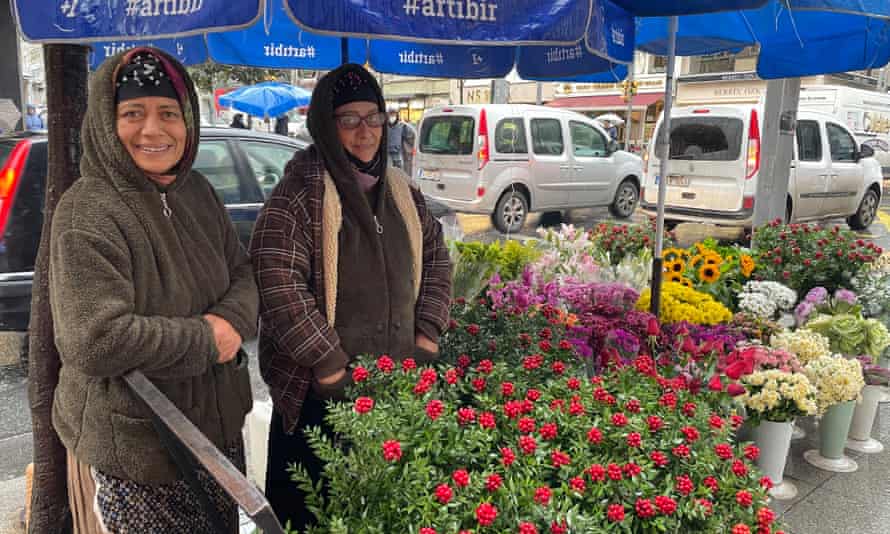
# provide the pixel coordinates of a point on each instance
(817, 295)
(845, 295)
(803, 310)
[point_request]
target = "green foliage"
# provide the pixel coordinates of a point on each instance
(475, 262)
(209, 76)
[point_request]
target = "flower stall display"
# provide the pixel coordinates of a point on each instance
(877, 378)
(475, 262)
(680, 303)
(805, 256)
(766, 300)
(818, 302)
(839, 383)
(499, 446)
(803, 342)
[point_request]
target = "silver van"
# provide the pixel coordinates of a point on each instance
(715, 164)
(507, 160)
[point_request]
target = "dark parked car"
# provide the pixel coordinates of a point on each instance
(243, 166)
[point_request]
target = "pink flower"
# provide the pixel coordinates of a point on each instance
(735, 389)
(549, 431)
(619, 419)
(486, 513)
(655, 423)
(714, 384)
(615, 513)
(359, 374)
(597, 473)
(527, 528)
(577, 484)
(493, 482)
(744, 498)
(527, 444)
(666, 505)
(364, 404)
(461, 477)
(392, 451)
(542, 495)
(408, 364)
(385, 364)
(444, 493)
(466, 416)
(559, 459)
(487, 420)
(507, 389)
(434, 409)
(595, 436)
(634, 440)
(507, 456)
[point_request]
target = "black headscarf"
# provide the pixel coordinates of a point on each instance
(345, 84)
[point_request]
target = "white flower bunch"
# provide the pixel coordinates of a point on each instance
(836, 378)
(873, 290)
(804, 343)
(766, 299)
(567, 254)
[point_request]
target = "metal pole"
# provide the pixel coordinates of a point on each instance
(539, 97)
(630, 109)
(663, 149)
(344, 50)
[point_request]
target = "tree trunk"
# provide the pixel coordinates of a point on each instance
(66, 75)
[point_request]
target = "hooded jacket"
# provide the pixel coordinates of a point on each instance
(129, 284)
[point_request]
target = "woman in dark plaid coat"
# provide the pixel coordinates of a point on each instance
(348, 261)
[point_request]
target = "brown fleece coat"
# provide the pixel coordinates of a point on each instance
(128, 288)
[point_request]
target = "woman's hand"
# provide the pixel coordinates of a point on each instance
(228, 341)
(425, 343)
(331, 379)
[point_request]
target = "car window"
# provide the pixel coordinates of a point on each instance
(510, 137)
(809, 141)
(267, 161)
(547, 137)
(706, 138)
(841, 143)
(587, 141)
(452, 135)
(215, 162)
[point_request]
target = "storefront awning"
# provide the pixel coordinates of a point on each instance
(605, 102)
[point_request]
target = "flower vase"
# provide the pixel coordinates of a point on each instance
(863, 419)
(884, 361)
(774, 440)
(833, 430)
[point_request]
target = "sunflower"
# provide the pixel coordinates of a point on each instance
(673, 253)
(685, 281)
(713, 259)
(746, 263)
(675, 266)
(698, 258)
(674, 277)
(709, 273)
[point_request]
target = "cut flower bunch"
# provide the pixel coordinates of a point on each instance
(837, 380)
(680, 303)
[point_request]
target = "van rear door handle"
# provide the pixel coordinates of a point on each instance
(823, 176)
(835, 176)
(579, 168)
(565, 167)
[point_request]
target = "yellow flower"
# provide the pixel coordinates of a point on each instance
(673, 253)
(747, 265)
(675, 266)
(674, 277)
(685, 281)
(713, 259)
(709, 273)
(698, 258)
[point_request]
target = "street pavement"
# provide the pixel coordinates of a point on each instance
(15, 421)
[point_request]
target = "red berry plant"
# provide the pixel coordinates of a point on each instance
(804, 256)
(508, 434)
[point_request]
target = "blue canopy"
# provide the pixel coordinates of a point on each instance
(792, 43)
(188, 50)
(79, 21)
(873, 8)
(666, 8)
(276, 41)
(507, 22)
(267, 99)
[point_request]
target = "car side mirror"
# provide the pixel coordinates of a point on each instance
(865, 151)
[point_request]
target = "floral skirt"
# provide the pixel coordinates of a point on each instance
(103, 503)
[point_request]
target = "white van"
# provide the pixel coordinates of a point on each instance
(715, 162)
(509, 159)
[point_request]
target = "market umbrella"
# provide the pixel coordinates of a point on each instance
(610, 117)
(188, 50)
(277, 41)
(267, 99)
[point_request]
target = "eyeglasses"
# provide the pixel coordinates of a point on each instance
(351, 121)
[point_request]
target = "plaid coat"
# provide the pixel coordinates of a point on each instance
(296, 341)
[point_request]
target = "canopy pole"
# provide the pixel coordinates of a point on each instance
(344, 50)
(630, 108)
(663, 147)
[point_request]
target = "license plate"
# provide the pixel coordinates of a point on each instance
(680, 181)
(432, 176)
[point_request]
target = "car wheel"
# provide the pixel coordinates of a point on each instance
(510, 212)
(866, 213)
(626, 197)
